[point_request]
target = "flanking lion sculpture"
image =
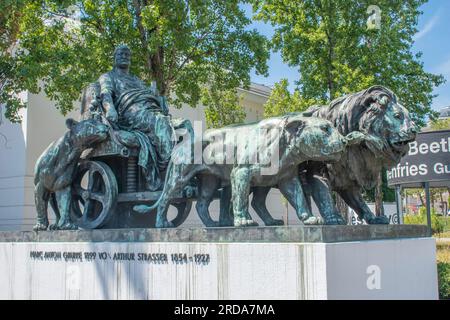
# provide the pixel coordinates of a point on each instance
(298, 139)
(389, 129)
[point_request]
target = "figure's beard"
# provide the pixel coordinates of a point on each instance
(123, 65)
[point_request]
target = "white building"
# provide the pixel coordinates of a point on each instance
(22, 144)
(444, 113)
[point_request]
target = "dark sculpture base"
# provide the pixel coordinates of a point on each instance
(323, 234)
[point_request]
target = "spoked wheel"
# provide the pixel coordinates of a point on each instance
(94, 195)
(183, 211)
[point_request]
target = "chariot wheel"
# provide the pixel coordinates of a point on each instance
(94, 195)
(183, 211)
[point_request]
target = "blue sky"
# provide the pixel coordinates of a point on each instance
(433, 40)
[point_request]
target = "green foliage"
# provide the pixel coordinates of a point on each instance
(281, 101)
(328, 40)
(11, 12)
(438, 224)
(182, 45)
(440, 124)
(223, 107)
(388, 193)
(435, 194)
(443, 270)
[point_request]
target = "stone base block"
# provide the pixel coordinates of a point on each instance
(390, 268)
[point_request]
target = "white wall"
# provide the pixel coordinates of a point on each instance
(41, 124)
(381, 269)
(12, 174)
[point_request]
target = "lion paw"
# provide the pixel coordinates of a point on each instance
(274, 222)
(355, 137)
(378, 220)
(40, 227)
(334, 220)
(68, 226)
(53, 227)
(245, 223)
(313, 221)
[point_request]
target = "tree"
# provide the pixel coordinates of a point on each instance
(440, 124)
(10, 18)
(181, 45)
(223, 107)
(328, 40)
(337, 53)
(435, 193)
(281, 101)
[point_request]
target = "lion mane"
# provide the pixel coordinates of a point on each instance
(377, 113)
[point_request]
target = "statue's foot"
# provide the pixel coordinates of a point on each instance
(142, 209)
(313, 221)
(68, 226)
(274, 222)
(164, 224)
(309, 219)
(40, 227)
(334, 220)
(377, 220)
(53, 227)
(245, 223)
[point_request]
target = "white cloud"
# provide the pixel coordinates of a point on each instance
(443, 98)
(444, 69)
(428, 27)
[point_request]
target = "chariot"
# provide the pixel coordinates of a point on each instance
(108, 182)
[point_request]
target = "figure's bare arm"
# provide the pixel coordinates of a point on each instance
(106, 90)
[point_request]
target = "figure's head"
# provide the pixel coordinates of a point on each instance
(315, 139)
(377, 112)
(384, 117)
(87, 133)
(122, 56)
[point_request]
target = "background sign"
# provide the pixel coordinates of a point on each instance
(428, 160)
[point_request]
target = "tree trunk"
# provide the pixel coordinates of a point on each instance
(158, 72)
(432, 200)
(421, 198)
(379, 209)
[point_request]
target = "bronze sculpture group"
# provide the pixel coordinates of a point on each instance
(129, 149)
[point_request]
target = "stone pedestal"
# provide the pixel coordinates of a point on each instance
(301, 262)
